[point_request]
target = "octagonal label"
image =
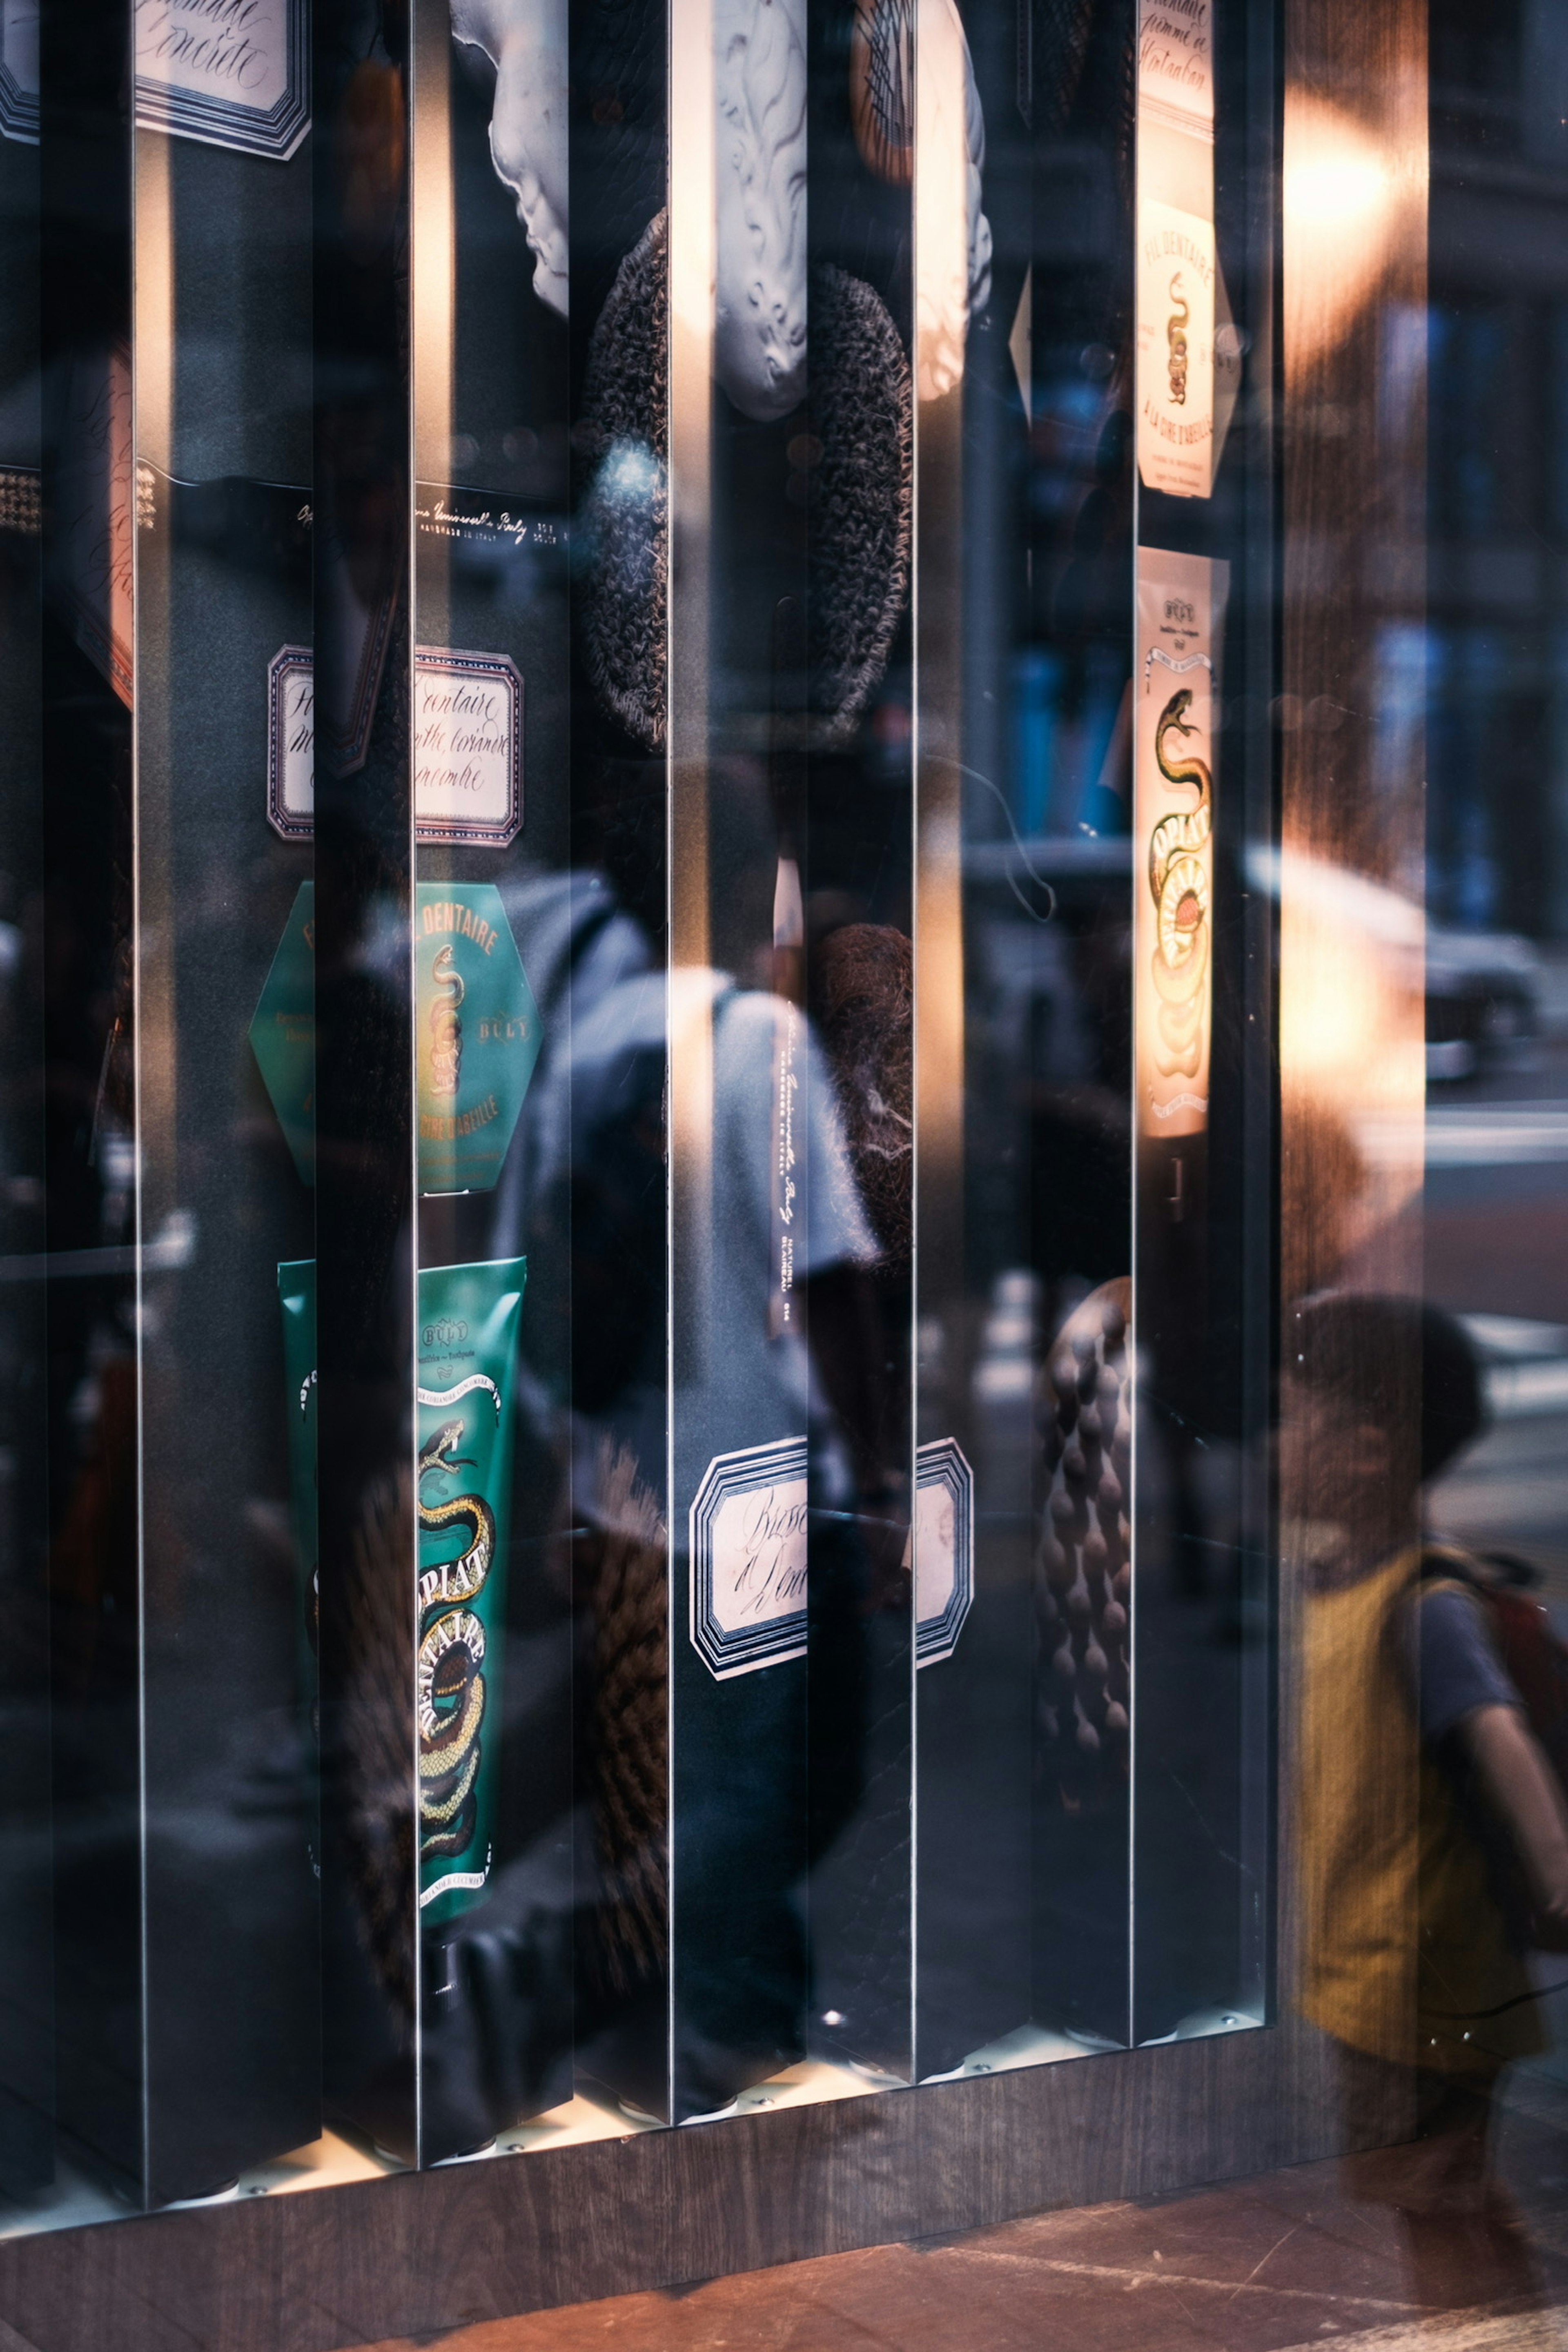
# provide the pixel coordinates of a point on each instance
(283, 1032)
(748, 1534)
(944, 1541)
(477, 1034)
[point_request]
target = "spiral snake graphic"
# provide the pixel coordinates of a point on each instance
(1178, 879)
(446, 1029)
(1176, 337)
(450, 1683)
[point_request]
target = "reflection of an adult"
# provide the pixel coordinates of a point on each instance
(1423, 1796)
(596, 1131)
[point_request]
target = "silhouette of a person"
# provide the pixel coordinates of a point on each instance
(1426, 1808)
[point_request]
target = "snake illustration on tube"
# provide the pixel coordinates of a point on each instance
(1178, 877)
(467, 1339)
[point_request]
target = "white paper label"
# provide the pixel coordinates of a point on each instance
(936, 1551)
(1175, 64)
(231, 73)
(1181, 612)
(1175, 350)
(748, 1531)
(467, 745)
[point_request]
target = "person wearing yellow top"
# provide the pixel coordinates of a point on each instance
(1425, 1809)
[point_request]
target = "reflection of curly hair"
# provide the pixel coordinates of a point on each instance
(1083, 1586)
(630, 1750)
(861, 494)
(862, 990)
(625, 426)
(375, 1762)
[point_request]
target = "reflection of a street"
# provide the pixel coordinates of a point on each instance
(1496, 1225)
(1507, 1493)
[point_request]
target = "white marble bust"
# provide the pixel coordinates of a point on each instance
(759, 326)
(525, 40)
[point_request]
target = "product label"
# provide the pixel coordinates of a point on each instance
(1181, 614)
(468, 1335)
(1175, 350)
(467, 746)
(232, 73)
(943, 1541)
(748, 1534)
(477, 1034)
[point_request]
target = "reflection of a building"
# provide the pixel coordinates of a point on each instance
(1497, 828)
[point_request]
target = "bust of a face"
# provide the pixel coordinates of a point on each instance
(759, 340)
(525, 40)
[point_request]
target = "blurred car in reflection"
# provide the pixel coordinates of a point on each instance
(1483, 1001)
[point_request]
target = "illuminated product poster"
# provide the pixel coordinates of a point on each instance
(1175, 350)
(1181, 617)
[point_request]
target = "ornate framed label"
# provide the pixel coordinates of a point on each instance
(944, 1541)
(467, 746)
(232, 73)
(292, 742)
(748, 1531)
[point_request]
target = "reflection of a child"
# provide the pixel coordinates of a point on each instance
(1421, 1794)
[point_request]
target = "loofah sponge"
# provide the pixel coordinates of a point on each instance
(859, 512)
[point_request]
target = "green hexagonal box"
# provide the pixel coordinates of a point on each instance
(477, 1034)
(283, 1032)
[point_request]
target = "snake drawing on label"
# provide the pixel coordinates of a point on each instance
(445, 1028)
(1179, 880)
(449, 1682)
(1176, 337)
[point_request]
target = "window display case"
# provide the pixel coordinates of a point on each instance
(711, 837)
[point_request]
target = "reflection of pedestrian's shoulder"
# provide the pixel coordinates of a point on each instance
(1451, 1645)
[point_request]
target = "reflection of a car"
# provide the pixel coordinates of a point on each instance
(1049, 1030)
(1482, 999)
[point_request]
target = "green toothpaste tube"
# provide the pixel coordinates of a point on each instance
(468, 1347)
(296, 1295)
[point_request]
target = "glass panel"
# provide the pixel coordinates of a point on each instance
(793, 1327)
